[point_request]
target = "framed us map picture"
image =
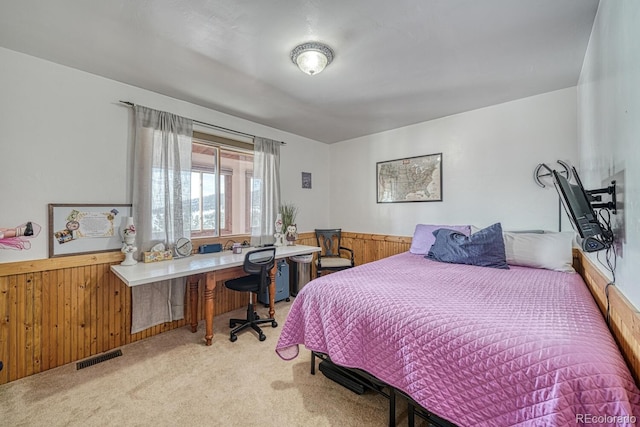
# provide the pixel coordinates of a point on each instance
(412, 179)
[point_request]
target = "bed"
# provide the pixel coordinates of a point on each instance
(476, 346)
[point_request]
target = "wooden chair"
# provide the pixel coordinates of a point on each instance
(331, 255)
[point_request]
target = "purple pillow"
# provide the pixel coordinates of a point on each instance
(484, 248)
(423, 236)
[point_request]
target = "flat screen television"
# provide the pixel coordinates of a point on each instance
(577, 203)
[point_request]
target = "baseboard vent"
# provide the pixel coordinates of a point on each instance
(98, 359)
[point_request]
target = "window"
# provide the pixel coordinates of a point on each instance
(221, 182)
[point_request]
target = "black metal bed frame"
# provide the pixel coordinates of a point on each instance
(357, 379)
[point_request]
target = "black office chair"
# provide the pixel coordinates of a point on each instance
(257, 264)
(330, 257)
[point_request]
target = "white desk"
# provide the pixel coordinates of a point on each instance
(214, 267)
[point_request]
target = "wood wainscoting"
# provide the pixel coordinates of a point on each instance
(62, 310)
(624, 318)
(372, 247)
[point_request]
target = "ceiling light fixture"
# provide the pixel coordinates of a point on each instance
(312, 57)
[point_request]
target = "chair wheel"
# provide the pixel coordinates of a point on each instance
(233, 337)
(232, 324)
(256, 316)
(274, 324)
(262, 337)
(288, 300)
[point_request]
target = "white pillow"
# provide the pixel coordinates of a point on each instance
(552, 251)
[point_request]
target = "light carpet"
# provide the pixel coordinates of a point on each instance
(174, 379)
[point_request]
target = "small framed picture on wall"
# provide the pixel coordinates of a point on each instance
(306, 179)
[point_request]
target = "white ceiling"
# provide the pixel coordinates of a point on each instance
(396, 62)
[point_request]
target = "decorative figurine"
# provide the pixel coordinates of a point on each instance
(279, 236)
(291, 235)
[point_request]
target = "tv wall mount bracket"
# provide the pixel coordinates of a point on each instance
(596, 197)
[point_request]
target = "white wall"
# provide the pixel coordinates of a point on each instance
(489, 156)
(609, 125)
(64, 138)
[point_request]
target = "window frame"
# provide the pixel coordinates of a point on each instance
(221, 144)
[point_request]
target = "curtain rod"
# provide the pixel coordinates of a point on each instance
(131, 104)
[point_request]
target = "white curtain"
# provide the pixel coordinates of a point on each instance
(266, 176)
(161, 207)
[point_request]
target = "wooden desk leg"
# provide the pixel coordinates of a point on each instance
(272, 292)
(194, 282)
(210, 286)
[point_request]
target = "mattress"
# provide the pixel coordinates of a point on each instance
(476, 346)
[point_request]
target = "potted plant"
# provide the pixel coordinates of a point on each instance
(289, 211)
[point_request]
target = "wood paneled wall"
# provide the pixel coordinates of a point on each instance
(61, 310)
(624, 318)
(372, 247)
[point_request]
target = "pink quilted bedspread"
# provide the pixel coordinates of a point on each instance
(474, 345)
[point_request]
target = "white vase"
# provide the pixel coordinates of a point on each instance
(128, 233)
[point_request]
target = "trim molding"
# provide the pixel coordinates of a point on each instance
(50, 264)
